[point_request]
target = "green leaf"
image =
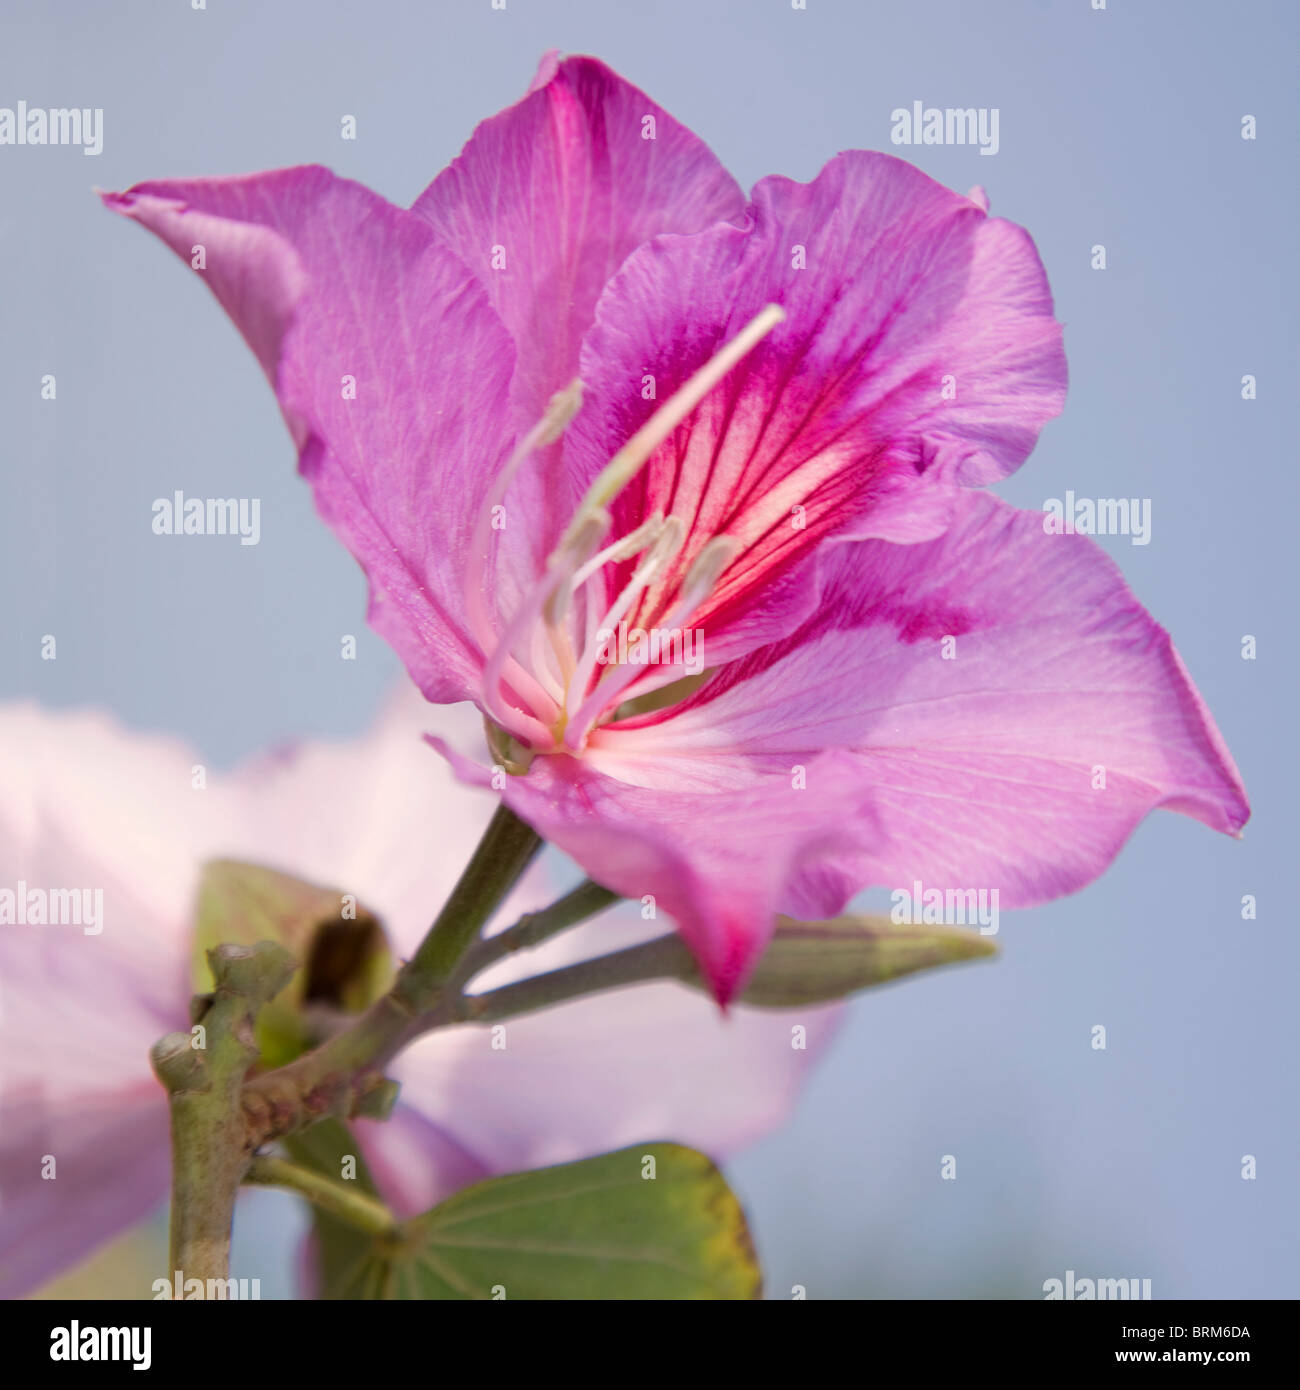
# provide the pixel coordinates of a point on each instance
(340, 944)
(815, 962)
(340, 1249)
(598, 1229)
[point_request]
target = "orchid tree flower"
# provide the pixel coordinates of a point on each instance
(83, 1122)
(584, 404)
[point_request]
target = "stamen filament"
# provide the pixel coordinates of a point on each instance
(624, 466)
(561, 408)
(547, 608)
(561, 601)
(579, 721)
(558, 569)
(545, 656)
(701, 580)
(631, 544)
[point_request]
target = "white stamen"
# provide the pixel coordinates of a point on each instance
(560, 409)
(549, 690)
(558, 605)
(624, 549)
(558, 569)
(666, 544)
(625, 464)
(707, 568)
(701, 579)
(545, 658)
(570, 558)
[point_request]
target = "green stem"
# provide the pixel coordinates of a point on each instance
(664, 958)
(356, 1208)
(210, 1146)
(344, 1076)
(507, 848)
(533, 928)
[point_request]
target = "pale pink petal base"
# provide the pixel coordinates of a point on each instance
(1007, 712)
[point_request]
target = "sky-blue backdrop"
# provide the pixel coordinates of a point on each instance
(1119, 127)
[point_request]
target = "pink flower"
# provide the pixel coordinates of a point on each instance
(90, 806)
(584, 383)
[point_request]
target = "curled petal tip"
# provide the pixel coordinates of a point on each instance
(548, 65)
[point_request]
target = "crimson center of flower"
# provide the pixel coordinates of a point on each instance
(541, 664)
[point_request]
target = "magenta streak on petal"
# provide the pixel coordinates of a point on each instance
(565, 183)
(979, 769)
(350, 304)
(833, 745)
(845, 401)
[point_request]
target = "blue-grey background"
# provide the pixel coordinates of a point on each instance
(1120, 127)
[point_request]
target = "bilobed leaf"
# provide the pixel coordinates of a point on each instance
(815, 962)
(654, 1221)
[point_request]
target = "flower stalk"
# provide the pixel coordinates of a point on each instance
(344, 1076)
(507, 848)
(363, 1212)
(664, 958)
(534, 928)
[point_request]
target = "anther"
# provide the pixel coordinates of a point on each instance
(560, 409)
(702, 577)
(570, 559)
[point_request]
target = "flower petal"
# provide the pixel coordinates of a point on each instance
(1019, 755)
(112, 1158)
(415, 1161)
(919, 340)
(88, 808)
(550, 196)
(549, 1096)
(718, 861)
(392, 372)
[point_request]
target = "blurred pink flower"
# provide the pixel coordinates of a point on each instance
(88, 804)
(791, 487)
